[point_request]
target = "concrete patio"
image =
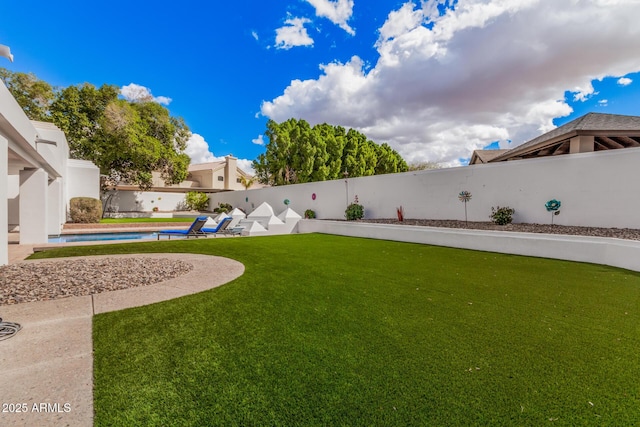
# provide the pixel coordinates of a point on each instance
(47, 367)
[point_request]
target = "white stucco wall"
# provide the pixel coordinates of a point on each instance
(596, 189)
(145, 201)
(4, 172)
(56, 155)
(82, 180)
(13, 200)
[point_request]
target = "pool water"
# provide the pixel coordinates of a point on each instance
(99, 237)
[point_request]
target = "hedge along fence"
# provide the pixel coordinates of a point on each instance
(85, 210)
(582, 181)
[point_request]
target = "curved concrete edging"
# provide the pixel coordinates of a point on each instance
(598, 250)
(50, 361)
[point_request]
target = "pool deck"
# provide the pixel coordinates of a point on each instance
(18, 252)
(123, 228)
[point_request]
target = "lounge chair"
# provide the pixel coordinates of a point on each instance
(220, 228)
(195, 230)
(235, 231)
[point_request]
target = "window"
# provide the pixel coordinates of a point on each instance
(221, 178)
(238, 180)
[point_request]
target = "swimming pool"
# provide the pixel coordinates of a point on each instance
(99, 237)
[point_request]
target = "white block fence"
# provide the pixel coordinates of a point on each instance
(596, 189)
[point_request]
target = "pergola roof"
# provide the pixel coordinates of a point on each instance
(610, 132)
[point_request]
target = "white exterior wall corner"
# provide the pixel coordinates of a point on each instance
(4, 209)
(597, 189)
(55, 155)
(56, 214)
(33, 206)
(82, 179)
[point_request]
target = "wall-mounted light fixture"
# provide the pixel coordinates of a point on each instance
(45, 141)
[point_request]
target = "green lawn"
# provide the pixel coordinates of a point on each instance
(132, 220)
(325, 330)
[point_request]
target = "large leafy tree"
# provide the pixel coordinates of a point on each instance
(33, 95)
(298, 153)
(135, 139)
(126, 140)
(78, 110)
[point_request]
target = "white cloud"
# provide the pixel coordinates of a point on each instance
(293, 34)
(254, 34)
(137, 93)
(401, 21)
(490, 70)
(199, 152)
(624, 81)
(259, 140)
(337, 11)
(247, 166)
(603, 102)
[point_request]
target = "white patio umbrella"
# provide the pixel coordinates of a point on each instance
(6, 52)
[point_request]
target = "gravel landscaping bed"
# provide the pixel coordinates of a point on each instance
(619, 233)
(46, 280)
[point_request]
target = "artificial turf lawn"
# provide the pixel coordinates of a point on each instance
(132, 220)
(327, 330)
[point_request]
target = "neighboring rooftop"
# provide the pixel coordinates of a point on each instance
(591, 132)
(485, 156)
(211, 177)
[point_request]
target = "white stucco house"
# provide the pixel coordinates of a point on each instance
(37, 178)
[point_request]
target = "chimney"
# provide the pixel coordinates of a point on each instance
(230, 172)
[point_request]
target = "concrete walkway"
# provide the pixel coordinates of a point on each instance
(46, 369)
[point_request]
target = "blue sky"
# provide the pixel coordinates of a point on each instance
(435, 79)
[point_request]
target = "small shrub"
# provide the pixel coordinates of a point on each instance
(400, 213)
(502, 216)
(223, 208)
(354, 211)
(196, 201)
(85, 210)
(309, 214)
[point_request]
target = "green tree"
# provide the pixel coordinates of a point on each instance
(135, 139)
(334, 143)
(387, 160)
(126, 140)
(78, 110)
(298, 153)
(33, 95)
